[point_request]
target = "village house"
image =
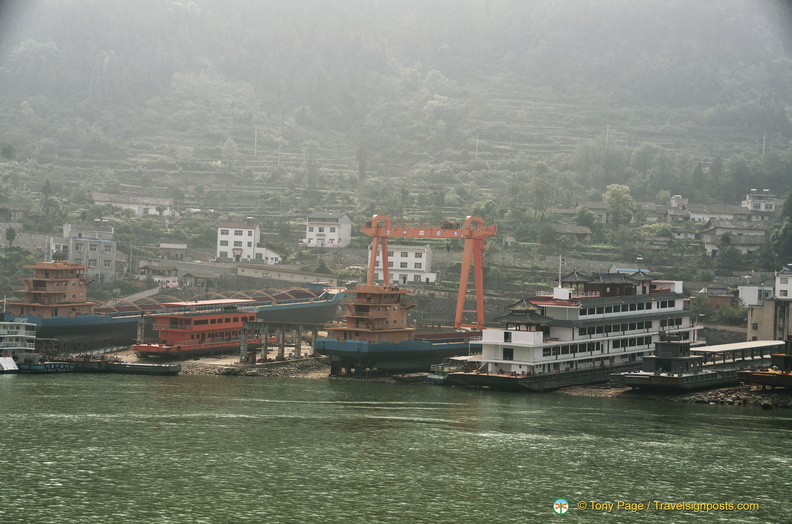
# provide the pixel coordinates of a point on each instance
(769, 314)
(328, 229)
(140, 205)
(747, 237)
(761, 206)
(406, 265)
(240, 242)
(571, 232)
(93, 245)
(704, 213)
(172, 251)
(286, 274)
(165, 276)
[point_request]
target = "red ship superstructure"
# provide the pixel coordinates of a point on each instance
(204, 328)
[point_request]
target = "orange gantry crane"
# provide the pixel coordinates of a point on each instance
(473, 232)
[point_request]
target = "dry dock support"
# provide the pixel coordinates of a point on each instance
(248, 355)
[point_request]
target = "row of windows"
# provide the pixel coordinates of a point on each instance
(321, 229)
(640, 306)
(627, 326)
(403, 265)
(632, 342)
(237, 243)
(237, 232)
(107, 264)
(671, 322)
(106, 248)
(404, 254)
(571, 349)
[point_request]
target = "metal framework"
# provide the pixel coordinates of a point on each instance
(473, 232)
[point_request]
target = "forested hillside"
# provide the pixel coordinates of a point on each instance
(410, 108)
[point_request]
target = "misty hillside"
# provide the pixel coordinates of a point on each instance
(398, 107)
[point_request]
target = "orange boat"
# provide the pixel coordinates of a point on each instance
(197, 333)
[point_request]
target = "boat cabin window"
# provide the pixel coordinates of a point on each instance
(507, 336)
(508, 353)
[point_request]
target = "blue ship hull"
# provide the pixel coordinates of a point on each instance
(409, 355)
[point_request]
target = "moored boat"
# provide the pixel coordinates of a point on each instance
(375, 334)
(211, 329)
(574, 336)
(676, 366)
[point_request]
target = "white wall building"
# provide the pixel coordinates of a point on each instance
(328, 229)
(140, 205)
(239, 242)
(407, 265)
(760, 205)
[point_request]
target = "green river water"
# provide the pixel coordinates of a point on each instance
(110, 448)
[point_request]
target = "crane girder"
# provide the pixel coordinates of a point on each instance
(473, 232)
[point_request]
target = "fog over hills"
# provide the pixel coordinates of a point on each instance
(132, 96)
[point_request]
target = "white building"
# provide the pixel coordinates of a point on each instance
(407, 265)
(239, 242)
(140, 205)
(328, 229)
(760, 205)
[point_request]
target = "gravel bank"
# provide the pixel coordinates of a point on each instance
(736, 395)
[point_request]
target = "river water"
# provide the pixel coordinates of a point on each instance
(112, 448)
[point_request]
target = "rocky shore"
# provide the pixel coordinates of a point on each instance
(303, 368)
(737, 395)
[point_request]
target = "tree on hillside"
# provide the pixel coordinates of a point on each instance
(230, 153)
(781, 240)
(10, 235)
(619, 203)
(362, 160)
(310, 170)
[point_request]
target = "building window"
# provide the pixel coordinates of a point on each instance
(223, 231)
(418, 265)
(237, 243)
(224, 254)
(390, 264)
(782, 292)
(92, 247)
(250, 244)
(237, 232)
(321, 229)
(310, 229)
(92, 263)
(419, 255)
(507, 336)
(785, 280)
(106, 264)
(404, 254)
(508, 353)
(332, 230)
(250, 233)
(754, 326)
(107, 248)
(390, 253)
(403, 265)
(224, 243)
